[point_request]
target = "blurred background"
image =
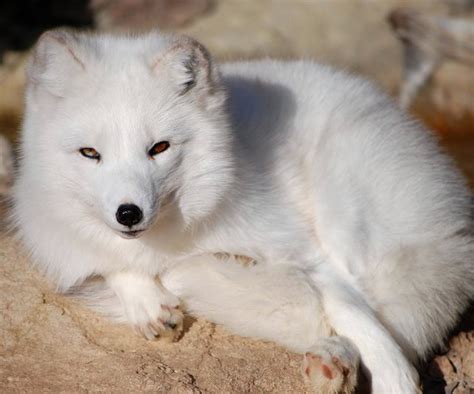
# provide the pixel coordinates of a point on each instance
(419, 51)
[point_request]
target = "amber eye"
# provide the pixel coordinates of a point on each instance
(159, 147)
(90, 153)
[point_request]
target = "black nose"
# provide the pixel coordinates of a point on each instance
(129, 215)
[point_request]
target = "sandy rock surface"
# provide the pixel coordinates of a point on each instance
(452, 371)
(50, 343)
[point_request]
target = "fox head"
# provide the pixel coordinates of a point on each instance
(121, 131)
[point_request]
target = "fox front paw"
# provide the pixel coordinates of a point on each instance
(156, 318)
(152, 310)
(165, 322)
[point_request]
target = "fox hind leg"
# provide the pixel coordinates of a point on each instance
(331, 366)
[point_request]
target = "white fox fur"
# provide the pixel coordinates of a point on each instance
(359, 225)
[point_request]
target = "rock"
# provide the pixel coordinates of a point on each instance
(12, 83)
(6, 165)
(51, 343)
(142, 15)
(428, 40)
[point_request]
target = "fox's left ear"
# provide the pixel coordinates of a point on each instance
(192, 70)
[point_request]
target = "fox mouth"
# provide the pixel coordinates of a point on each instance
(131, 234)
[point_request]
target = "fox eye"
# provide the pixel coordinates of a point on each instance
(90, 153)
(158, 148)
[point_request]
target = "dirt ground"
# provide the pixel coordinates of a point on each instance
(51, 343)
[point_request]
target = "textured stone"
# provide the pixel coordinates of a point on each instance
(51, 343)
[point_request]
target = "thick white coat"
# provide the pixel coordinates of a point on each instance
(357, 222)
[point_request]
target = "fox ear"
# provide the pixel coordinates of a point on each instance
(192, 70)
(55, 60)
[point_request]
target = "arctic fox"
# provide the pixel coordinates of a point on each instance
(142, 159)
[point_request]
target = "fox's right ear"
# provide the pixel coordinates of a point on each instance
(55, 61)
